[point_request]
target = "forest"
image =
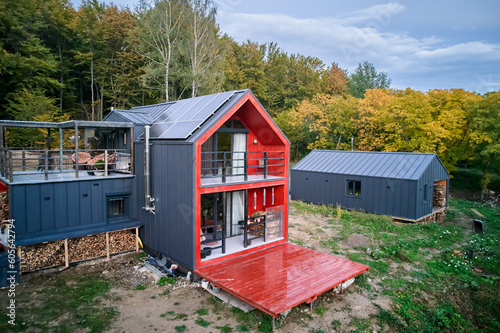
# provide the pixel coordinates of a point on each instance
(60, 61)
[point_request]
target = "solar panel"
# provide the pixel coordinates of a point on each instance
(182, 118)
(158, 129)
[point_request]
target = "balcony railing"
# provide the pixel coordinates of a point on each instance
(225, 164)
(29, 164)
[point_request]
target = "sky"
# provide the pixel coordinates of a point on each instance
(421, 44)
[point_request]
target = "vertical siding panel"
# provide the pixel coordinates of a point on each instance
(33, 205)
(47, 206)
(73, 203)
(97, 202)
(61, 205)
(85, 203)
(18, 211)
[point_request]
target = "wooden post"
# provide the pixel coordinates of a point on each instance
(66, 255)
(273, 324)
(19, 252)
(107, 246)
(136, 239)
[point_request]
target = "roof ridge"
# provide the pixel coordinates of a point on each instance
(372, 152)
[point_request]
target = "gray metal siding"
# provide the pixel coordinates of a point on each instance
(434, 172)
(171, 230)
(389, 196)
(394, 197)
(50, 211)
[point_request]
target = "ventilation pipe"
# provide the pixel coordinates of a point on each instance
(150, 201)
(352, 143)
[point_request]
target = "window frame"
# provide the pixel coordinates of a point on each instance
(356, 187)
(126, 206)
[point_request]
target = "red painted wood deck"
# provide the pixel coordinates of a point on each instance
(281, 277)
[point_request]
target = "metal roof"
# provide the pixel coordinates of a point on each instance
(178, 119)
(365, 163)
(64, 124)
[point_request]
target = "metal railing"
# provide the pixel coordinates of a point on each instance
(22, 162)
(222, 164)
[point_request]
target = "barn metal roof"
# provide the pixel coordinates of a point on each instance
(365, 163)
(179, 119)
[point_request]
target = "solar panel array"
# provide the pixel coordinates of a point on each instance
(180, 119)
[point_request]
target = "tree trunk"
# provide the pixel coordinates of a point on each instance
(61, 93)
(92, 78)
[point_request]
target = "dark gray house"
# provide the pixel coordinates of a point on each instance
(205, 178)
(403, 185)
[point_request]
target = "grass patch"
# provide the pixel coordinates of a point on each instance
(242, 328)
(69, 304)
(299, 242)
(202, 322)
(426, 269)
(225, 329)
(165, 280)
(202, 312)
(141, 286)
(180, 328)
(321, 310)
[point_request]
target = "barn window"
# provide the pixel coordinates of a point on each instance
(354, 187)
(425, 193)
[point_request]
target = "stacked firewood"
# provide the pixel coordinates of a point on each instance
(43, 255)
(4, 206)
(439, 197)
(81, 248)
(256, 230)
(273, 230)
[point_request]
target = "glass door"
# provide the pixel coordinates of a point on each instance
(212, 216)
(235, 212)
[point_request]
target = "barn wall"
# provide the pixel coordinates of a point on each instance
(434, 172)
(171, 230)
(56, 210)
(394, 197)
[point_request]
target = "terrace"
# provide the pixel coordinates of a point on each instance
(72, 150)
(230, 167)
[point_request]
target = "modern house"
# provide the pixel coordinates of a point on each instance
(215, 183)
(205, 179)
(402, 185)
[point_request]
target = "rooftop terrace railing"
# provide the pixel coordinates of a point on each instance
(52, 163)
(223, 164)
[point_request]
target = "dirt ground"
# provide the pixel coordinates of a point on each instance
(162, 308)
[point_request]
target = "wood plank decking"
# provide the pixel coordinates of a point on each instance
(281, 277)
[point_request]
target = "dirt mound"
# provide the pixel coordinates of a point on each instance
(356, 240)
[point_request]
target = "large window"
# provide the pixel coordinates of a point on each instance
(354, 188)
(225, 150)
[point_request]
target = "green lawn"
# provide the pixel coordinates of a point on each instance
(442, 292)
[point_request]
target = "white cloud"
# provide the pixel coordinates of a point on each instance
(363, 36)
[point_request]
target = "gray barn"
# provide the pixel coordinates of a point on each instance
(403, 185)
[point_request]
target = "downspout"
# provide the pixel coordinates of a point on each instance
(150, 201)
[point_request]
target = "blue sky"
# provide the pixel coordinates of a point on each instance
(422, 44)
